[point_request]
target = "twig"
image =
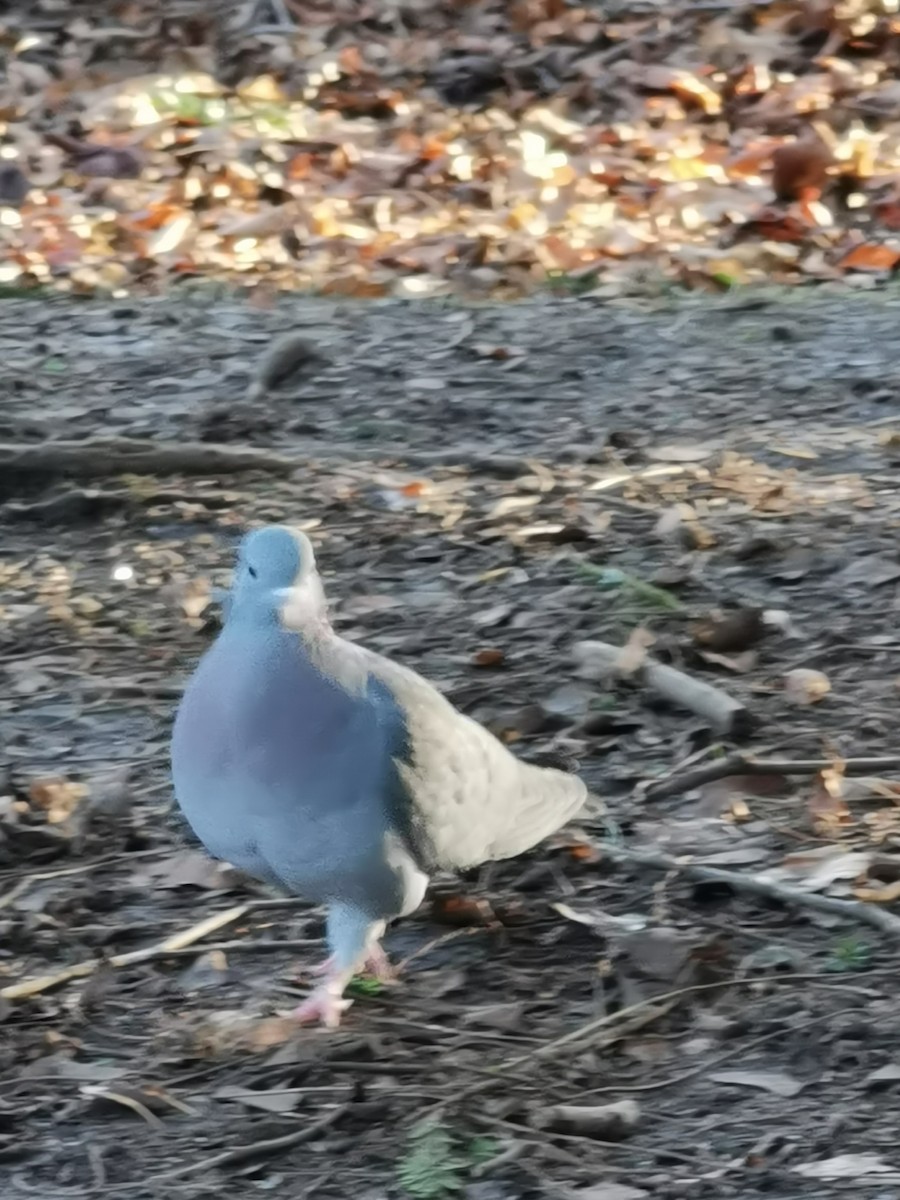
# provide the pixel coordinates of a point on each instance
(745, 764)
(739, 1050)
(96, 457)
(240, 1154)
(613, 1122)
(249, 946)
(756, 885)
(725, 714)
(503, 1159)
(642, 1013)
(172, 945)
(637, 1015)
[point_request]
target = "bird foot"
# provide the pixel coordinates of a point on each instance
(376, 962)
(323, 1005)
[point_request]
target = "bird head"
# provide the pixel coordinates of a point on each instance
(276, 581)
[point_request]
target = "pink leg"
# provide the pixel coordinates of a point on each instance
(323, 1005)
(376, 961)
(356, 941)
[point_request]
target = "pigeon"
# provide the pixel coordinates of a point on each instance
(332, 772)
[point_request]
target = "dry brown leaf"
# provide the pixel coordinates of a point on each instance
(887, 893)
(489, 657)
(462, 911)
(196, 597)
(870, 256)
(634, 653)
(827, 805)
(59, 798)
(224, 1032)
(806, 686)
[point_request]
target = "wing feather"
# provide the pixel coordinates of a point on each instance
(473, 801)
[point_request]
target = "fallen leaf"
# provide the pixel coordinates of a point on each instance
(870, 256)
(739, 663)
(805, 686)
(802, 452)
(815, 870)
(608, 1191)
(870, 570)
(196, 597)
(170, 236)
(416, 488)
(682, 452)
(827, 805)
(885, 894)
(463, 911)
(884, 1075)
(844, 1166)
(59, 798)
(776, 1082)
(582, 852)
(633, 654)
(489, 657)
(227, 1031)
(512, 504)
(186, 868)
(499, 614)
(282, 1100)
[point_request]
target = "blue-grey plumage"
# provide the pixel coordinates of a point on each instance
(320, 766)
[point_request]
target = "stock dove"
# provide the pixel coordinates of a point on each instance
(325, 769)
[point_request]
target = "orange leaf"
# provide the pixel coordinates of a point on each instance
(418, 487)
(582, 852)
(462, 911)
(351, 61)
(870, 256)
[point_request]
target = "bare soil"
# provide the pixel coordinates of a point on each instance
(447, 464)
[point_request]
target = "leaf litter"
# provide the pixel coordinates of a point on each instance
(112, 907)
(481, 150)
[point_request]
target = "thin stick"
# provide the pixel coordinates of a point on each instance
(240, 1154)
(656, 1006)
(172, 945)
(725, 714)
(745, 764)
(96, 457)
(248, 946)
(755, 885)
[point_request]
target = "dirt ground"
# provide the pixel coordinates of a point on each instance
(487, 486)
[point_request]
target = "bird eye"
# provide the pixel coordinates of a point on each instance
(251, 571)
